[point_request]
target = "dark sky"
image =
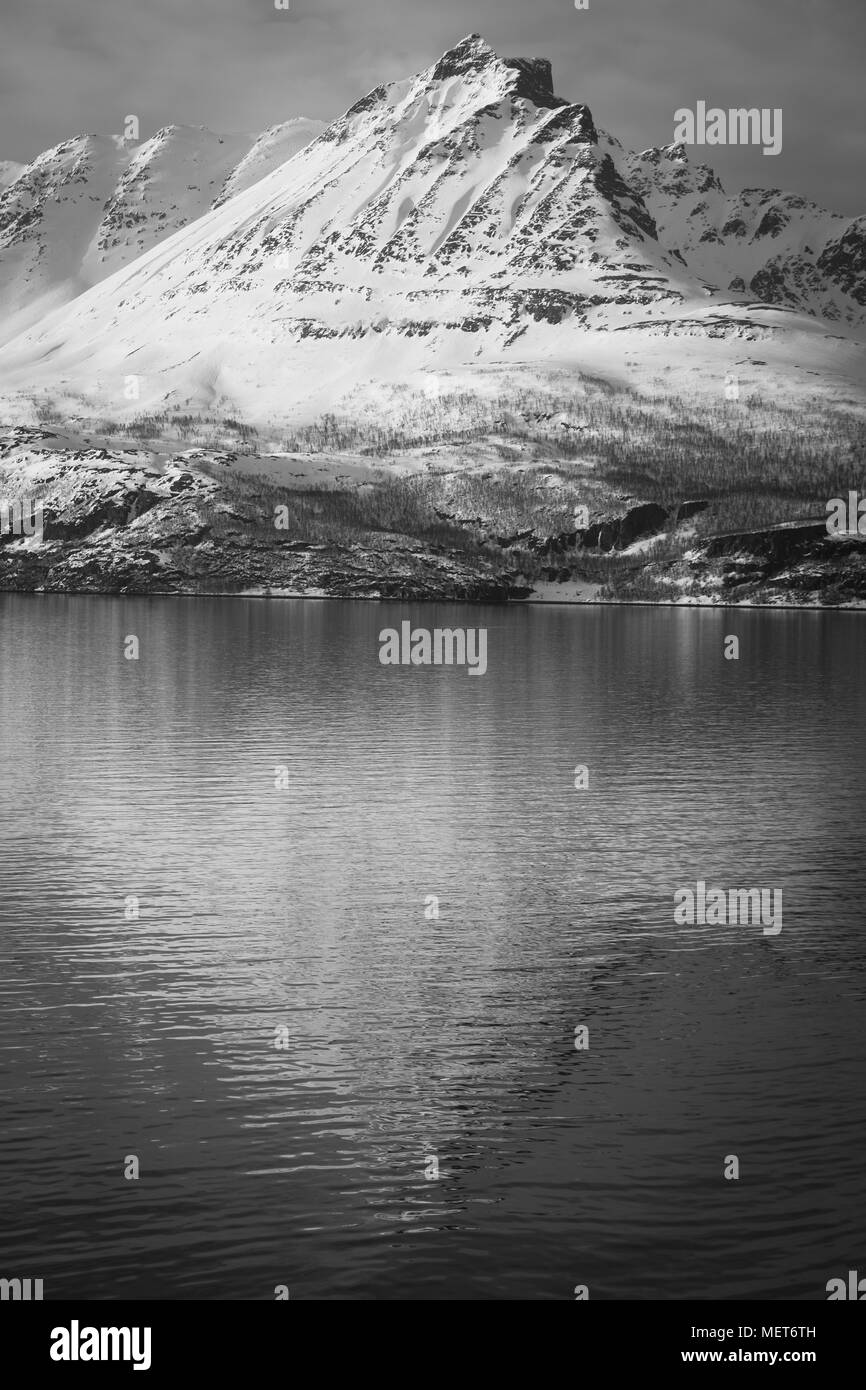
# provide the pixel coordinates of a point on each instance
(70, 66)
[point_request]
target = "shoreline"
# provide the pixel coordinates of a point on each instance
(855, 607)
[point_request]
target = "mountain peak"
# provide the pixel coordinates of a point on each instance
(469, 55)
(533, 77)
(463, 212)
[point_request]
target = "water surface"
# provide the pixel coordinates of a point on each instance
(410, 1038)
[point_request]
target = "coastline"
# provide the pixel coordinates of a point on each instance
(856, 606)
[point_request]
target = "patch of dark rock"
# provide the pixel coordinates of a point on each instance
(616, 533)
(690, 508)
(777, 544)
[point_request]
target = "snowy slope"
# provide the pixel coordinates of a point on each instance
(271, 150)
(9, 172)
(87, 207)
(48, 219)
(169, 181)
(464, 218)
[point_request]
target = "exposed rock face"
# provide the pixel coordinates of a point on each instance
(843, 260)
(794, 563)
(646, 519)
(775, 545)
(535, 81)
(689, 509)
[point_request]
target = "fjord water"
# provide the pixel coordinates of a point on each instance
(409, 1037)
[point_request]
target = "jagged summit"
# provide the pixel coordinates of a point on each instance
(470, 55)
(676, 153)
(530, 78)
(471, 79)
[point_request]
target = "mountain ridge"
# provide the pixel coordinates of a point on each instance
(93, 203)
(463, 218)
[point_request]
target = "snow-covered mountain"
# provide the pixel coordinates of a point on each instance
(465, 218)
(92, 204)
(773, 246)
